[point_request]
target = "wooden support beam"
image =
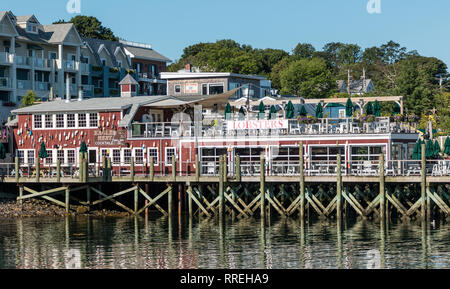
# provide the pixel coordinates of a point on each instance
(152, 169)
(153, 201)
(136, 199)
(132, 169)
(189, 189)
(81, 167)
(16, 169)
(38, 170)
(67, 195)
(197, 169)
(221, 188)
(414, 207)
(331, 206)
(423, 184)
(238, 168)
(275, 205)
(314, 205)
(372, 205)
(262, 189)
(356, 206)
(339, 188)
(20, 196)
(174, 169)
(397, 204)
(58, 171)
(439, 202)
(111, 199)
(35, 194)
(382, 189)
(302, 183)
(199, 204)
(170, 198)
(232, 202)
(85, 170)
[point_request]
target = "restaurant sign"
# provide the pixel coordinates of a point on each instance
(191, 88)
(110, 137)
(258, 124)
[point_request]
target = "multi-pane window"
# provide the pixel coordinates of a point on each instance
(116, 156)
(139, 156)
(170, 153)
(153, 152)
(82, 120)
(71, 157)
(71, 120)
(93, 120)
(60, 120)
(37, 119)
(127, 156)
(48, 121)
(49, 159)
(104, 154)
(21, 156)
(60, 156)
(30, 157)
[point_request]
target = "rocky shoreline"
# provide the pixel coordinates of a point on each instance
(40, 208)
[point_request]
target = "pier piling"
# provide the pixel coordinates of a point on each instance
(221, 188)
(382, 189)
(339, 188)
(302, 183)
(262, 187)
(423, 182)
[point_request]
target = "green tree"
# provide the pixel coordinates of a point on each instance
(308, 78)
(304, 50)
(91, 27)
(28, 99)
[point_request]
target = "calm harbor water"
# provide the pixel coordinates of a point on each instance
(89, 242)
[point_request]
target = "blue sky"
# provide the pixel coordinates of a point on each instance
(171, 25)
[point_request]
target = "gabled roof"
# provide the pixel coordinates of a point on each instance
(4, 14)
(111, 47)
(128, 79)
(147, 54)
(26, 18)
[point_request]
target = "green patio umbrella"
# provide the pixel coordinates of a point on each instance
(290, 110)
(273, 112)
(83, 147)
(319, 110)
(241, 113)
(397, 109)
(349, 108)
(369, 109)
(261, 110)
(429, 150)
(2, 151)
(43, 151)
(417, 151)
(228, 111)
(437, 149)
(447, 146)
(377, 109)
(303, 111)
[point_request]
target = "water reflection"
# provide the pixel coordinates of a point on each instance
(231, 243)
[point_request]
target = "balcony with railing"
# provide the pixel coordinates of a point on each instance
(6, 58)
(23, 60)
(240, 128)
(5, 82)
(70, 65)
(23, 84)
(42, 63)
(42, 86)
(88, 90)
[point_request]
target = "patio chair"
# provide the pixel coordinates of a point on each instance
(159, 130)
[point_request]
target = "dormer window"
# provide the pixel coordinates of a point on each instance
(32, 28)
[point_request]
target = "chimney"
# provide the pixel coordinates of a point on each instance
(188, 67)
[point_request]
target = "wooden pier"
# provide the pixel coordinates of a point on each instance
(231, 193)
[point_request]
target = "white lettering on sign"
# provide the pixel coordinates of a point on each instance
(258, 124)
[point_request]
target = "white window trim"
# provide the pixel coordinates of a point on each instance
(157, 156)
(25, 156)
(167, 164)
(175, 91)
(77, 126)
